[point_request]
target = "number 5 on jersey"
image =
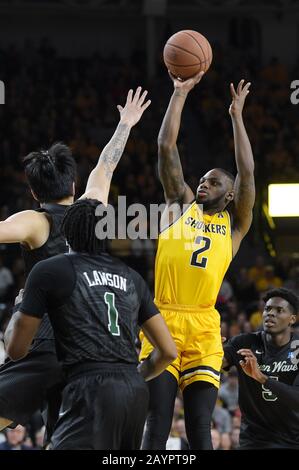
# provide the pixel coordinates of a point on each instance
(206, 244)
(113, 326)
(267, 394)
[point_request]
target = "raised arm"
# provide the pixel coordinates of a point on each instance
(244, 185)
(169, 164)
(98, 184)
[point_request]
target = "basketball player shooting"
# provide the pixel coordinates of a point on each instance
(187, 281)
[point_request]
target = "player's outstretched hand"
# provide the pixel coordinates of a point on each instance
(250, 366)
(238, 98)
(135, 106)
(186, 85)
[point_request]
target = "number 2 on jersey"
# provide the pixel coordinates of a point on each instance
(113, 326)
(206, 242)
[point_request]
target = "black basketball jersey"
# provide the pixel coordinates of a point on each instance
(55, 245)
(266, 419)
(94, 304)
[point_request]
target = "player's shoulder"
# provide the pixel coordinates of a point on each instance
(56, 271)
(29, 215)
(140, 284)
(175, 212)
(247, 340)
(135, 275)
(39, 224)
(295, 336)
(124, 270)
(118, 265)
(51, 264)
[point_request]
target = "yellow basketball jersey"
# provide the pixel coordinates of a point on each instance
(192, 258)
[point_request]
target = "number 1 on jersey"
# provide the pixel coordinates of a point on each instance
(113, 326)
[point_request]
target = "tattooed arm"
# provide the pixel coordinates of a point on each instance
(98, 184)
(244, 185)
(169, 165)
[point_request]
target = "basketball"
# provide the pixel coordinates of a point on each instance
(186, 53)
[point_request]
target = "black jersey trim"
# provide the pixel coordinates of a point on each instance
(195, 369)
(183, 213)
(50, 210)
(176, 368)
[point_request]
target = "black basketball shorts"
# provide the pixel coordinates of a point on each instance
(25, 384)
(101, 410)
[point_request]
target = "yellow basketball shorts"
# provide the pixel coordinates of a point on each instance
(198, 340)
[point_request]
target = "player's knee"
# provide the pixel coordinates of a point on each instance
(157, 428)
(156, 417)
(200, 421)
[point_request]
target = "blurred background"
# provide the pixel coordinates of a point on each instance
(66, 64)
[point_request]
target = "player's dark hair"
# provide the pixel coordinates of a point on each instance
(51, 173)
(79, 227)
(285, 294)
(227, 173)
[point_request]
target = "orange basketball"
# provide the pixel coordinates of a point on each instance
(186, 53)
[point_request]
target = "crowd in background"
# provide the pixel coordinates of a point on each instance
(51, 98)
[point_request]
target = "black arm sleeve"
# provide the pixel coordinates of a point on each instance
(288, 393)
(231, 348)
(147, 307)
(230, 351)
(48, 285)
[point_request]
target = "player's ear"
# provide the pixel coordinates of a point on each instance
(34, 195)
(293, 320)
(74, 189)
(229, 196)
